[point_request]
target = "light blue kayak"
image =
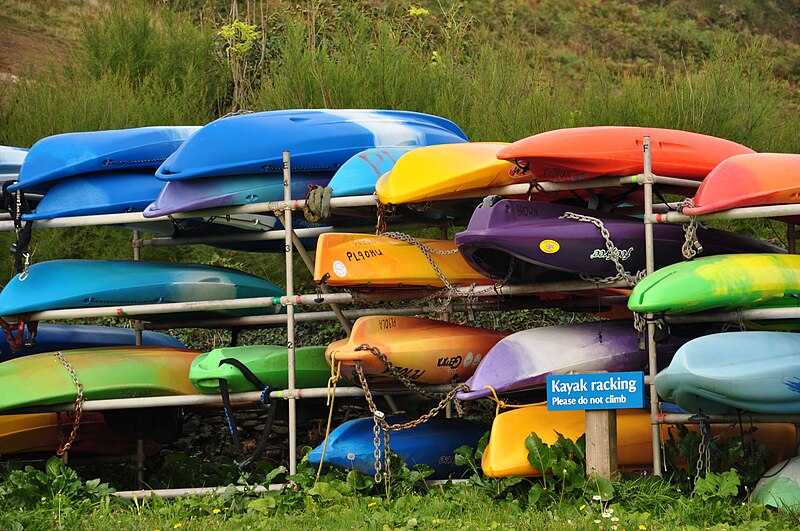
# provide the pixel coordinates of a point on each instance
(59, 156)
(55, 337)
(359, 174)
(94, 283)
(318, 140)
(720, 373)
(351, 446)
(97, 193)
(11, 159)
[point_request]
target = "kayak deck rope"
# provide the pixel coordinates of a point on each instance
(332, 381)
(77, 408)
(501, 404)
(318, 203)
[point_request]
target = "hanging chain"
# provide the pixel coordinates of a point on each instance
(691, 246)
(611, 250)
(25, 266)
(394, 372)
(377, 416)
(703, 465)
(77, 409)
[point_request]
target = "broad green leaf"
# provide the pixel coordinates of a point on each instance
(540, 456)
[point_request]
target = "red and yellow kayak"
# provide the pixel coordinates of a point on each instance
(363, 261)
(749, 180)
(506, 454)
(580, 153)
(423, 350)
(43, 433)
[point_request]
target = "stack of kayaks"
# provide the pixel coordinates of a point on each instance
(422, 350)
(239, 159)
(98, 172)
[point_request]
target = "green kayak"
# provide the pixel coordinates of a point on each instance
(114, 372)
(720, 282)
(268, 362)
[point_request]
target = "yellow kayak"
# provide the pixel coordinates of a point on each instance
(436, 172)
(506, 454)
(363, 261)
(423, 350)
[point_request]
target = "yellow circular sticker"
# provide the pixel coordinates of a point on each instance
(549, 246)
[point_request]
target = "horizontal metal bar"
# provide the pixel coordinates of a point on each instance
(768, 211)
(253, 397)
(755, 314)
(255, 236)
(688, 418)
(216, 491)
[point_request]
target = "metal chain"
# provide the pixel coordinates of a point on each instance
(110, 162)
(691, 246)
(426, 250)
(394, 372)
(611, 249)
(704, 453)
(377, 416)
(380, 225)
(77, 409)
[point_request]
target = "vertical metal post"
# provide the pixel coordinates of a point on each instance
(287, 215)
(650, 264)
(791, 238)
(137, 255)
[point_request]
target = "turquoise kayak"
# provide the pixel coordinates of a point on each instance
(60, 284)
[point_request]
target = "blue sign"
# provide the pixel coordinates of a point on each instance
(608, 390)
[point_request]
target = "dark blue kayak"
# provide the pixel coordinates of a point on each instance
(318, 140)
(97, 283)
(59, 156)
(351, 445)
(55, 337)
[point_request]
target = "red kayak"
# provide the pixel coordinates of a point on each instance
(581, 153)
(749, 180)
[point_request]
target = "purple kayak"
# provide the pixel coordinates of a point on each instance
(523, 360)
(527, 241)
(230, 190)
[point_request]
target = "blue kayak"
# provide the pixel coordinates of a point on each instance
(11, 159)
(55, 337)
(359, 174)
(318, 140)
(98, 193)
(59, 156)
(351, 445)
(96, 283)
(720, 373)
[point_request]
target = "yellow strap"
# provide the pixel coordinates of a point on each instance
(331, 395)
(503, 405)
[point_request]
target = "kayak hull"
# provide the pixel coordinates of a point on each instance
(581, 153)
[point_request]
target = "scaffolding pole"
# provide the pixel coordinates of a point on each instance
(290, 339)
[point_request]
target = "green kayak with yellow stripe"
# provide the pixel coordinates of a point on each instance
(720, 282)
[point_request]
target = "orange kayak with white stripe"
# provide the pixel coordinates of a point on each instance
(425, 351)
(364, 261)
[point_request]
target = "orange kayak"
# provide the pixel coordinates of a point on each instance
(749, 180)
(506, 454)
(425, 351)
(360, 260)
(581, 153)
